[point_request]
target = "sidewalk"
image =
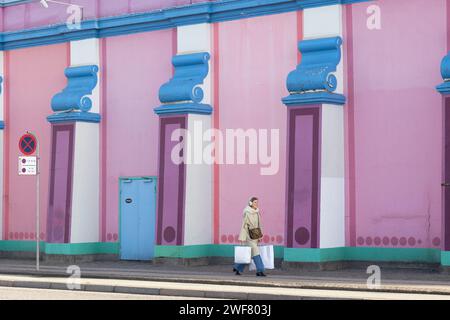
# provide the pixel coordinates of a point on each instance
(279, 281)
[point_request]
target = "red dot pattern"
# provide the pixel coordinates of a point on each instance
(20, 235)
(394, 241)
(234, 239)
(436, 242)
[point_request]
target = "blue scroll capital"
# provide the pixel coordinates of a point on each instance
(81, 81)
(313, 79)
(320, 58)
(444, 88)
(183, 93)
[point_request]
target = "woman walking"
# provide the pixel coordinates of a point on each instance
(250, 235)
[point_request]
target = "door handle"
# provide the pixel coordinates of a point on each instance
(445, 184)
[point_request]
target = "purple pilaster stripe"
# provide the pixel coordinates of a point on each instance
(171, 186)
(446, 191)
(303, 177)
(60, 195)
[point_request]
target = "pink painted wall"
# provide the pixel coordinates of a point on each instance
(255, 57)
(33, 76)
(398, 123)
(135, 67)
(32, 15)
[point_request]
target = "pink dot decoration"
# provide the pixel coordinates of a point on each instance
(279, 239)
(436, 241)
(360, 241)
(115, 237)
(236, 238)
(419, 241)
(16, 235)
(21, 235)
(32, 236)
(27, 235)
(272, 239)
(394, 241)
(42, 236)
(403, 241)
(385, 241)
(109, 237)
(411, 241)
(230, 238)
(11, 235)
(223, 238)
(377, 241)
(369, 241)
(266, 238)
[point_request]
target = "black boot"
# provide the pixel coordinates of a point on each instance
(236, 271)
(260, 274)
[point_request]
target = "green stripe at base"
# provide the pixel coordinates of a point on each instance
(61, 248)
(445, 258)
(426, 255)
(423, 255)
(204, 250)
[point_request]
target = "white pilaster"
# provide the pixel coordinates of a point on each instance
(87, 52)
(86, 167)
(325, 22)
(85, 192)
(332, 196)
(197, 38)
(198, 201)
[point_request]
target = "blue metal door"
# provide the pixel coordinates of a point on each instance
(137, 218)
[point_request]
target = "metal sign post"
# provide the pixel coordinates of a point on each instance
(29, 166)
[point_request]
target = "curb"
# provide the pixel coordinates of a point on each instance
(192, 293)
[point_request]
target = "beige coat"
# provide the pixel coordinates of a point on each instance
(252, 219)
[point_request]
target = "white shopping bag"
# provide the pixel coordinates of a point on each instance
(267, 258)
(242, 254)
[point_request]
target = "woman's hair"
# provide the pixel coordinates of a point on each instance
(250, 202)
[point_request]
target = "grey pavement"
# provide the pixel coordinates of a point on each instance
(191, 290)
(393, 280)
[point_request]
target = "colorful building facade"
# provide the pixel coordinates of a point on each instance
(345, 103)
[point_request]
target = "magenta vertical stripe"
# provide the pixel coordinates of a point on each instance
(350, 127)
(59, 215)
(6, 138)
(448, 25)
(171, 186)
(303, 178)
(103, 139)
(446, 190)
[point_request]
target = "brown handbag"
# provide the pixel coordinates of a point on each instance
(255, 233)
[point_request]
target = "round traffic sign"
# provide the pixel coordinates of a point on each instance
(28, 144)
